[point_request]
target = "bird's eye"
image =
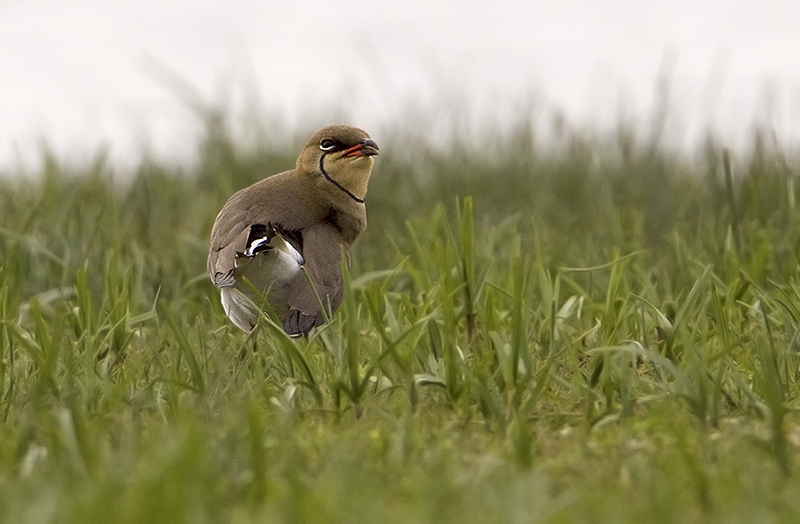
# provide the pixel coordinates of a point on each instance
(327, 144)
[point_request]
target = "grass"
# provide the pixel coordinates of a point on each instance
(601, 333)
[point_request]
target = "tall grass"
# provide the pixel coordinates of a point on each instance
(601, 332)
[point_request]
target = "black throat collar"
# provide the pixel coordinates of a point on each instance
(335, 183)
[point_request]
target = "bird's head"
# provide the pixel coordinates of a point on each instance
(342, 156)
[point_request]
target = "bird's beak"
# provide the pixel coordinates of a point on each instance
(366, 147)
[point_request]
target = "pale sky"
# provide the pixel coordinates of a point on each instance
(82, 73)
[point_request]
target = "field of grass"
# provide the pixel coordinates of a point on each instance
(602, 332)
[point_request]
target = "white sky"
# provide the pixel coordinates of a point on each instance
(80, 73)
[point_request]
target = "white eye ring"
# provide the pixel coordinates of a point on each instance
(327, 144)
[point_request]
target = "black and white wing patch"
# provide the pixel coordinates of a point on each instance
(259, 239)
(264, 238)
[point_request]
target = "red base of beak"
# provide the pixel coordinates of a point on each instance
(365, 148)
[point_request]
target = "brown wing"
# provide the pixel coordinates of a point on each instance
(322, 248)
(283, 200)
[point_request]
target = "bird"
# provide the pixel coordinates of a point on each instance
(276, 246)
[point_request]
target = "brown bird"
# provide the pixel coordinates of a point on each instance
(272, 238)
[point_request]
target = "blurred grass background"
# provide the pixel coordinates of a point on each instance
(597, 331)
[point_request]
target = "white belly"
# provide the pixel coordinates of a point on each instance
(263, 283)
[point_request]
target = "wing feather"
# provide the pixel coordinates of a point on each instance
(322, 245)
(282, 200)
